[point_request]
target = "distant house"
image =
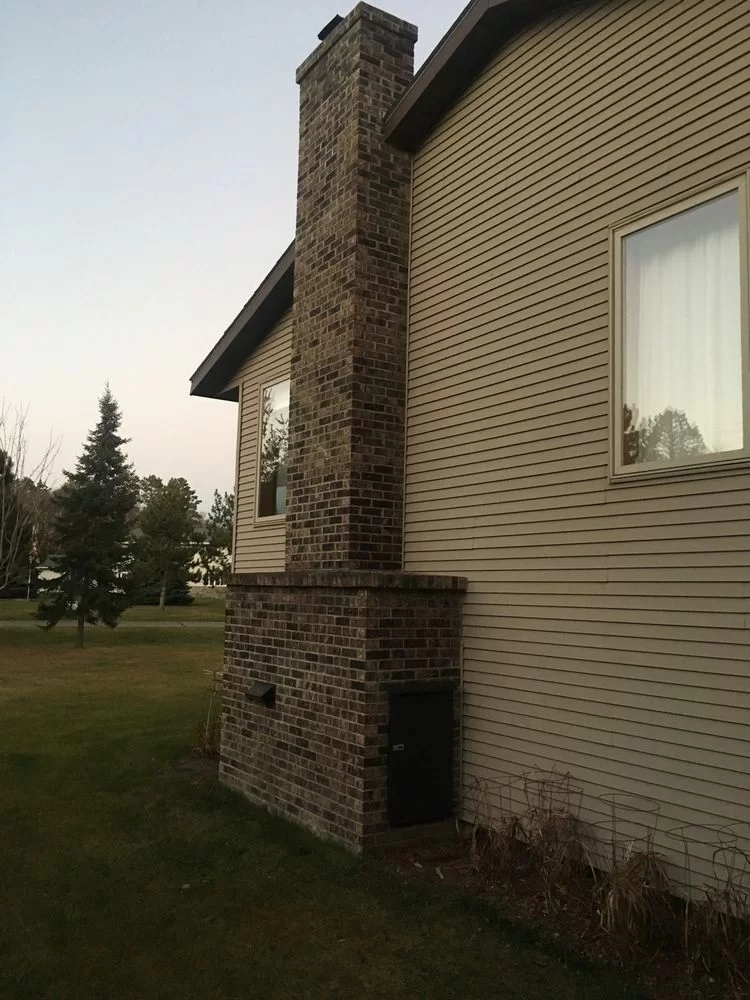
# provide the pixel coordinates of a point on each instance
(46, 572)
(211, 573)
(494, 427)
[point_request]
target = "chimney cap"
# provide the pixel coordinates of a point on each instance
(333, 23)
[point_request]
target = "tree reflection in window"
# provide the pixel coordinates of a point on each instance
(680, 311)
(669, 437)
(274, 443)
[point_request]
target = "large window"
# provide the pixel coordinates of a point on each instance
(274, 439)
(680, 353)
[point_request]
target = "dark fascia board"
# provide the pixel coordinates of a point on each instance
(271, 300)
(476, 35)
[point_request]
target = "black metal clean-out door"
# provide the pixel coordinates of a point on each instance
(420, 758)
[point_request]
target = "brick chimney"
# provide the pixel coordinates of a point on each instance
(317, 656)
(346, 439)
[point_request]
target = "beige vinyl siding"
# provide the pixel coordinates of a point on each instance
(258, 543)
(607, 627)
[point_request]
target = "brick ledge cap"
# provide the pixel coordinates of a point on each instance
(349, 579)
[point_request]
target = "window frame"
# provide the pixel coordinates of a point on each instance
(619, 472)
(259, 519)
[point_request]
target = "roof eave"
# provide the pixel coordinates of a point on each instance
(479, 31)
(268, 303)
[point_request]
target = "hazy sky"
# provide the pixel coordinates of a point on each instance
(148, 157)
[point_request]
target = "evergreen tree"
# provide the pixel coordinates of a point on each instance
(215, 550)
(146, 589)
(670, 437)
(92, 529)
(168, 525)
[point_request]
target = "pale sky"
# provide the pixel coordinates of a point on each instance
(148, 158)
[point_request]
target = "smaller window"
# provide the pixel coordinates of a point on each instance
(680, 355)
(274, 441)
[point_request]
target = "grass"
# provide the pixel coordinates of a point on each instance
(127, 874)
(203, 609)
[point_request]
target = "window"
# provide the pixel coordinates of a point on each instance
(274, 440)
(680, 350)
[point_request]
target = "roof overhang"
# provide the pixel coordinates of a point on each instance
(245, 333)
(477, 34)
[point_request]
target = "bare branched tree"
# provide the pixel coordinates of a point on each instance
(21, 481)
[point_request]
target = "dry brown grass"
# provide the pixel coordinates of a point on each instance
(530, 824)
(716, 923)
(634, 897)
(209, 731)
(527, 828)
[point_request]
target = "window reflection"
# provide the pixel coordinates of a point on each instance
(682, 344)
(274, 443)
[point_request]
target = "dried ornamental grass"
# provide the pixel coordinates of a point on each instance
(209, 732)
(716, 925)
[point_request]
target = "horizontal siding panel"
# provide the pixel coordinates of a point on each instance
(667, 666)
(720, 736)
(685, 639)
(620, 508)
(581, 429)
(606, 205)
(548, 593)
(585, 534)
(515, 603)
(625, 136)
(596, 815)
(672, 745)
(536, 495)
(498, 409)
(565, 616)
(686, 682)
(606, 625)
(716, 565)
(676, 797)
(259, 547)
(433, 355)
(537, 395)
(586, 44)
(619, 130)
(723, 771)
(484, 334)
(516, 359)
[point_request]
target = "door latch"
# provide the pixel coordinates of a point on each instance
(398, 746)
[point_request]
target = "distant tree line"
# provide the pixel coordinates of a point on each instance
(109, 538)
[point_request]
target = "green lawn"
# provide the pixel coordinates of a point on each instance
(203, 609)
(126, 874)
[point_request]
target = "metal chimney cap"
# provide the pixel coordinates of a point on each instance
(333, 23)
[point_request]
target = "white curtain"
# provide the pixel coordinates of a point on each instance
(682, 347)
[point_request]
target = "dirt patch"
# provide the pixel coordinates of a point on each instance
(198, 765)
(570, 923)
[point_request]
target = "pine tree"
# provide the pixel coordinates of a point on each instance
(670, 437)
(92, 530)
(168, 525)
(216, 546)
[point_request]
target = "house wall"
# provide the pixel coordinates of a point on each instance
(607, 627)
(258, 543)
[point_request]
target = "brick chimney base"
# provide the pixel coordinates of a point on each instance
(335, 645)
